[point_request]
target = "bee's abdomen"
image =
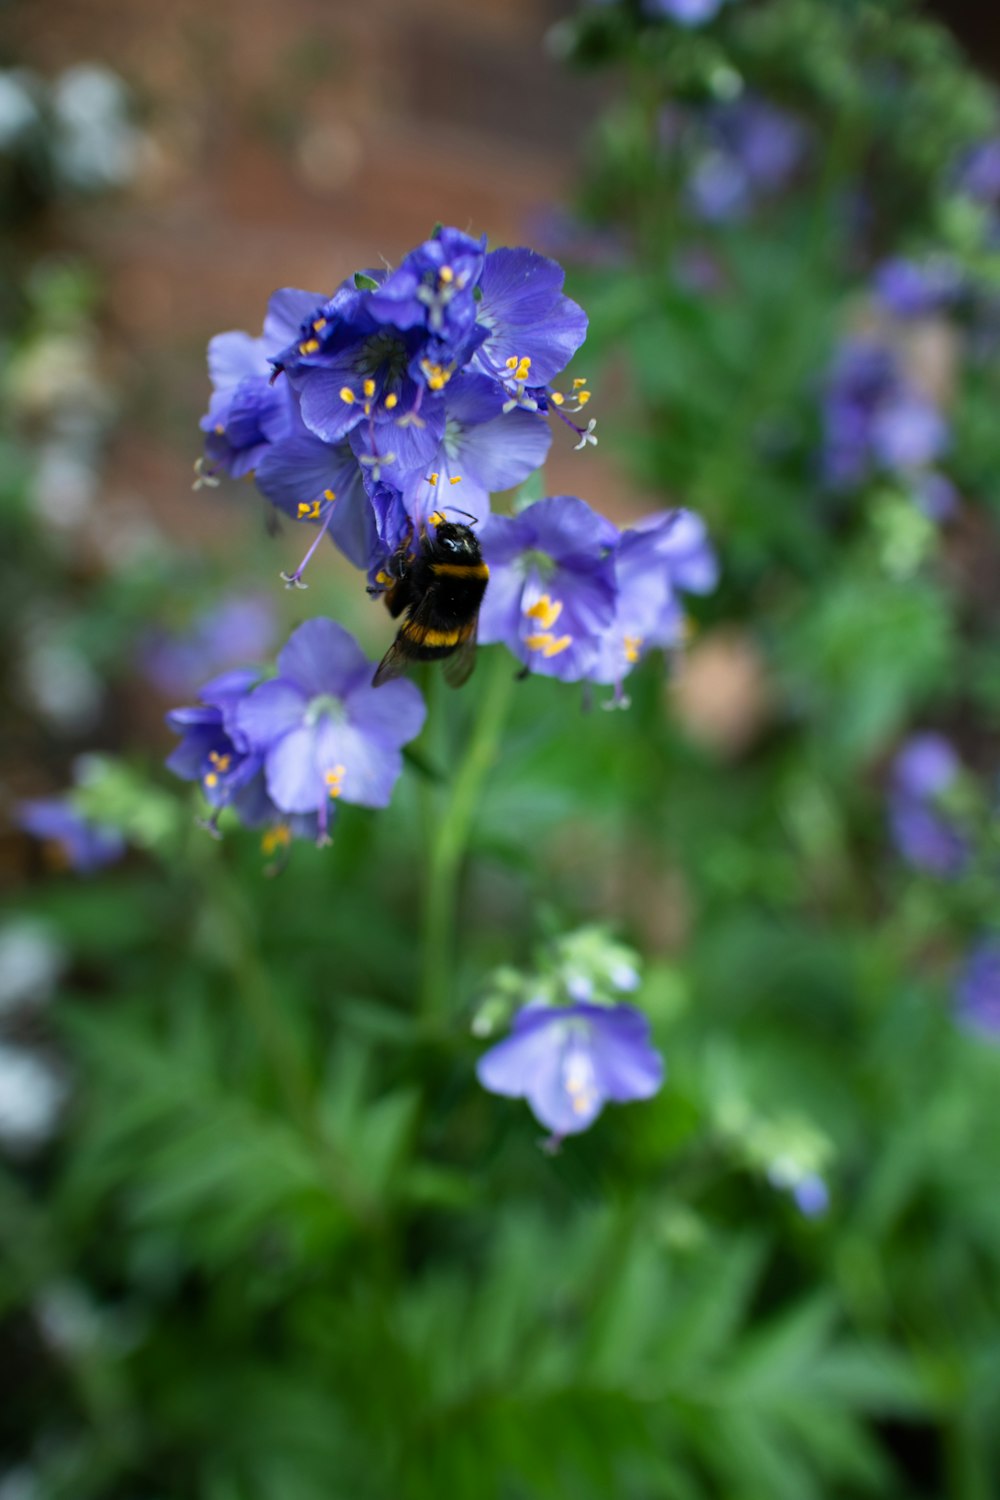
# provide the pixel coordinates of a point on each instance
(431, 642)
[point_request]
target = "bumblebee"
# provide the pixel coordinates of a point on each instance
(440, 585)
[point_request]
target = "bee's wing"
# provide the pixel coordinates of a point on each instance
(393, 664)
(458, 667)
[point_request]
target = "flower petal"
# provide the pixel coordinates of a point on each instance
(321, 657)
(270, 711)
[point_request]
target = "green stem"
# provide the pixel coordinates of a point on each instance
(449, 838)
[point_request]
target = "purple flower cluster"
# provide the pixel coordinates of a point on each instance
(567, 1061)
(875, 420)
(573, 597)
(408, 391)
(281, 753)
(925, 835)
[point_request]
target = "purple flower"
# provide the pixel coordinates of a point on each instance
(977, 989)
(434, 288)
(213, 752)
(246, 413)
(321, 483)
(323, 731)
(75, 841)
(238, 629)
(923, 833)
(483, 449)
(552, 586)
(567, 1061)
(660, 555)
(529, 320)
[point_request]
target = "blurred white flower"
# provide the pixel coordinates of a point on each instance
(18, 105)
(96, 146)
(31, 962)
(32, 1095)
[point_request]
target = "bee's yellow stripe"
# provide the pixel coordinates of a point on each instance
(461, 570)
(422, 635)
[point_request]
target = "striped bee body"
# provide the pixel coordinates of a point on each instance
(438, 589)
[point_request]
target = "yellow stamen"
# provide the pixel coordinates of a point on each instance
(309, 347)
(579, 382)
(633, 645)
(275, 838)
(369, 387)
(383, 577)
(437, 375)
(432, 478)
(211, 779)
(512, 363)
(333, 778)
(308, 510)
(436, 518)
(557, 398)
(546, 610)
(319, 325)
(446, 274)
(330, 495)
(220, 762)
(346, 394)
(391, 401)
(455, 479)
(548, 645)
(219, 429)
(583, 397)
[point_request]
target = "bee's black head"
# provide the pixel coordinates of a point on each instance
(457, 541)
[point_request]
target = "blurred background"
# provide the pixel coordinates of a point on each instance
(261, 1235)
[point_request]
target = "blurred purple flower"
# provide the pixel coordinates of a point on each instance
(977, 989)
(979, 172)
(908, 289)
(751, 149)
(75, 841)
(684, 12)
(238, 629)
(323, 731)
(923, 834)
(873, 418)
(568, 1061)
(552, 586)
(935, 495)
(907, 432)
(812, 1196)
